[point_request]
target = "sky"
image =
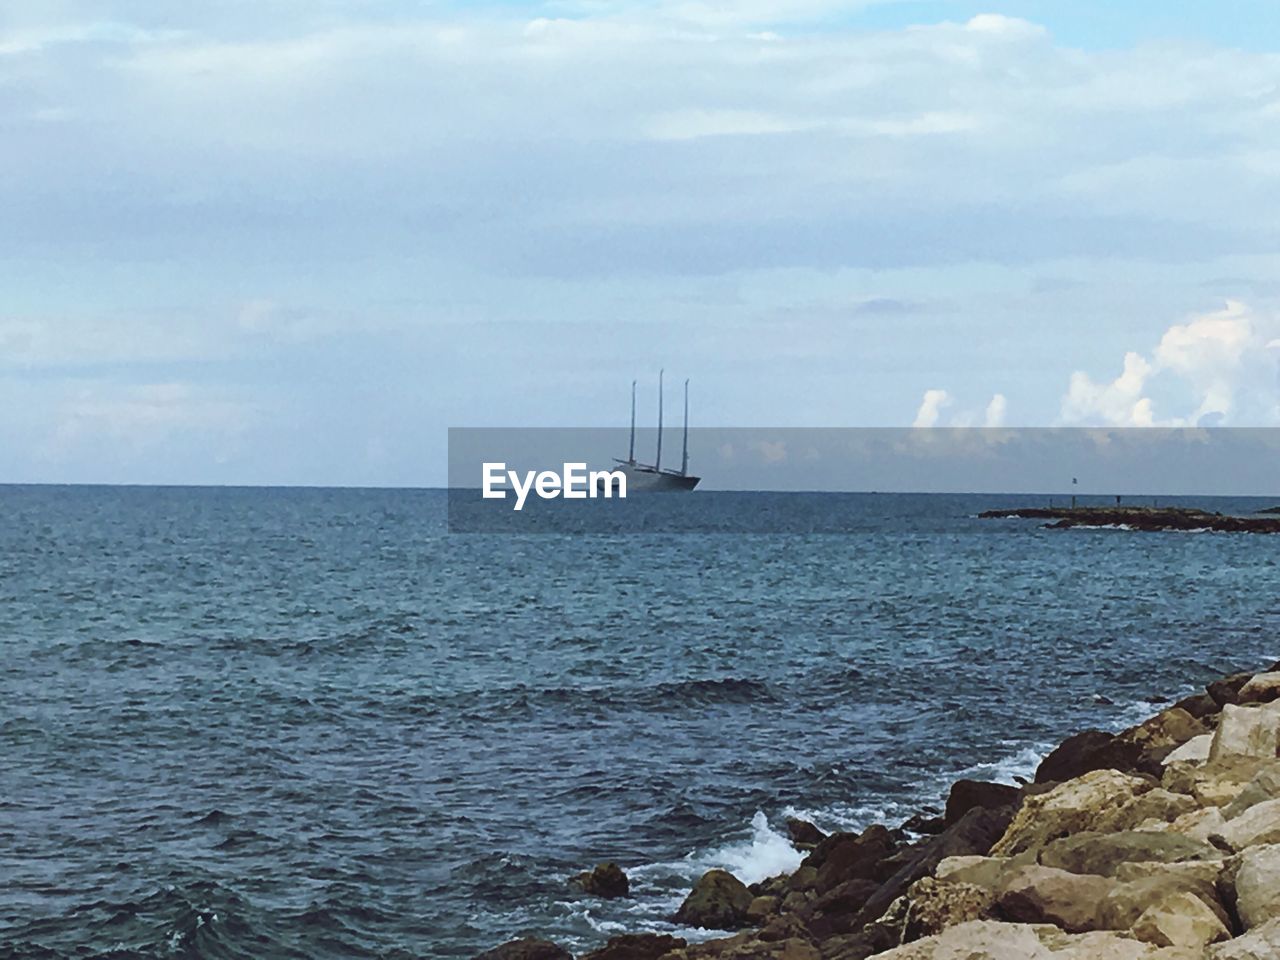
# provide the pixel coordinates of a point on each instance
(294, 241)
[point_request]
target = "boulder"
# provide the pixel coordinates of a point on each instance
(718, 901)
(1264, 786)
(1258, 824)
(1127, 901)
(1159, 805)
(1068, 808)
(1260, 943)
(747, 946)
(849, 856)
(986, 872)
(1246, 731)
(1226, 690)
(1197, 749)
(973, 834)
(994, 940)
(1103, 853)
(933, 905)
(1180, 920)
(1200, 705)
(1257, 886)
(922, 823)
(804, 834)
(1036, 894)
(527, 948)
(835, 911)
(1190, 871)
(762, 908)
(1155, 737)
(967, 794)
(1215, 783)
(1201, 824)
(606, 880)
(1078, 754)
(637, 946)
(1260, 688)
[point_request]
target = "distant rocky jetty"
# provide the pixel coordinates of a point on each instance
(1140, 518)
(1158, 843)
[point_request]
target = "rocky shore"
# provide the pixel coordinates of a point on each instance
(1139, 518)
(1158, 843)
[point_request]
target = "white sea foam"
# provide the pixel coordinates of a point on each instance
(767, 854)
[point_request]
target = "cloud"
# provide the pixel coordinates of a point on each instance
(995, 412)
(1216, 368)
(931, 406)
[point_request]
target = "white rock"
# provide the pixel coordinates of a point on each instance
(1195, 749)
(1259, 824)
(1258, 886)
(1261, 943)
(1247, 732)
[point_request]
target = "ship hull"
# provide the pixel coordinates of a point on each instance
(642, 480)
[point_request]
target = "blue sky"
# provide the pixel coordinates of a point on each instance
(292, 242)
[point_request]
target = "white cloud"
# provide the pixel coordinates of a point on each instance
(1217, 368)
(931, 406)
(994, 416)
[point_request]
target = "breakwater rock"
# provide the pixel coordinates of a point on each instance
(1139, 518)
(1158, 843)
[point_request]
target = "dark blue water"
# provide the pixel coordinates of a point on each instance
(309, 723)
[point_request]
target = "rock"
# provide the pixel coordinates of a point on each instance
(1264, 786)
(1226, 690)
(1261, 943)
(804, 878)
(1215, 783)
(934, 905)
(1246, 731)
(1260, 688)
(1068, 808)
(986, 872)
(1188, 873)
(1257, 886)
(848, 856)
(994, 940)
(1258, 824)
(1077, 755)
(1127, 901)
(1201, 824)
(835, 911)
(1197, 748)
(761, 909)
(973, 834)
(922, 824)
(1199, 705)
(1155, 737)
(718, 901)
(804, 834)
(1102, 853)
(1159, 804)
(527, 948)
(1180, 920)
(637, 946)
(1036, 894)
(746, 946)
(967, 794)
(606, 880)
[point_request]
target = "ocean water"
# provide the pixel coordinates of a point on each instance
(311, 723)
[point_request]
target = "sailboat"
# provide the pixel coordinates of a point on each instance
(655, 478)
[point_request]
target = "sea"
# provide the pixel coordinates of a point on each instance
(315, 723)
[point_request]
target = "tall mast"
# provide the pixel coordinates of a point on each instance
(631, 451)
(657, 463)
(684, 460)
